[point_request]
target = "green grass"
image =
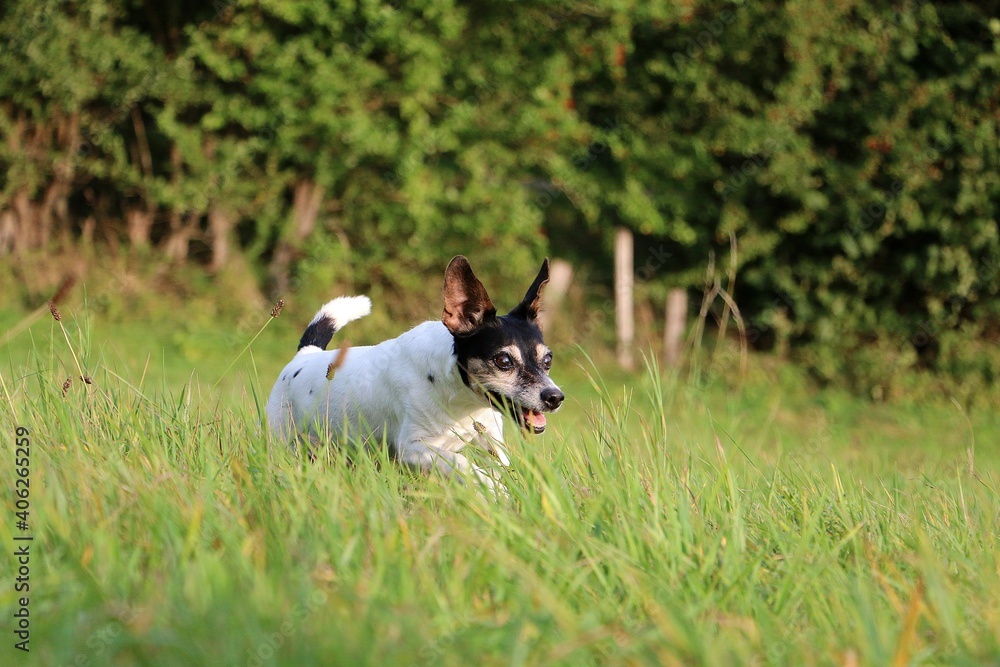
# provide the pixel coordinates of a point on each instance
(655, 523)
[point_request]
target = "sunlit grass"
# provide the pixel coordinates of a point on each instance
(655, 523)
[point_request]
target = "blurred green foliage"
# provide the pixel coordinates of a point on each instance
(851, 149)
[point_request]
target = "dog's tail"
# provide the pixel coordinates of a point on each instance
(332, 317)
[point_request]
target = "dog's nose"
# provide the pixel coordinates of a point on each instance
(552, 397)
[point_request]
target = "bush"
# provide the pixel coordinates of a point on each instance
(852, 151)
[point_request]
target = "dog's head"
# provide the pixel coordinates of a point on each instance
(502, 357)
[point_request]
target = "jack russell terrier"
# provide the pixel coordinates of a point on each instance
(430, 392)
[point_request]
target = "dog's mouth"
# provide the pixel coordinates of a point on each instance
(530, 420)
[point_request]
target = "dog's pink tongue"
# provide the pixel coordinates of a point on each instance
(536, 419)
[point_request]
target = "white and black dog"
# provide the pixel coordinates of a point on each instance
(430, 392)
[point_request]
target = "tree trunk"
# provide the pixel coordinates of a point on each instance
(219, 226)
(676, 323)
(87, 232)
(139, 224)
(220, 222)
(26, 221)
(18, 223)
(624, 308)
(68, 139)
(179, 240)
(8, 231)
(39, 212)
(181, 228)
(305, 210)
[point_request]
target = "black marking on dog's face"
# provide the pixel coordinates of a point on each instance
(504, 358)
(430, 378)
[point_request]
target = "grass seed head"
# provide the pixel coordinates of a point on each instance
(54, 311)
(277, 308)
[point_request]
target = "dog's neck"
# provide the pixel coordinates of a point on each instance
(432, 346)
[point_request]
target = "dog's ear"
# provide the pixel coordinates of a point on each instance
(529, 306)
(466, 304)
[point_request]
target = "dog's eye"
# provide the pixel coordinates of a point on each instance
(503, 361)
(547, 361)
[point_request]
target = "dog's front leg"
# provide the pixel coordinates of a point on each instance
(425, 457)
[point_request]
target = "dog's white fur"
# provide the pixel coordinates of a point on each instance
(406, 391)
(344, 309)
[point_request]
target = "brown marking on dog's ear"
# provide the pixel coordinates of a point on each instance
(530, 305)
(466, 304)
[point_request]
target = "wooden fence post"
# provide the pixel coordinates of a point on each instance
(676, 323)
(624, 309)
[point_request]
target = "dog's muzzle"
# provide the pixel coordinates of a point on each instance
(530, 420)
(533, 420)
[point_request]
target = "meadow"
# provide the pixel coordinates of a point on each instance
(177, 161)
(658, 521)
